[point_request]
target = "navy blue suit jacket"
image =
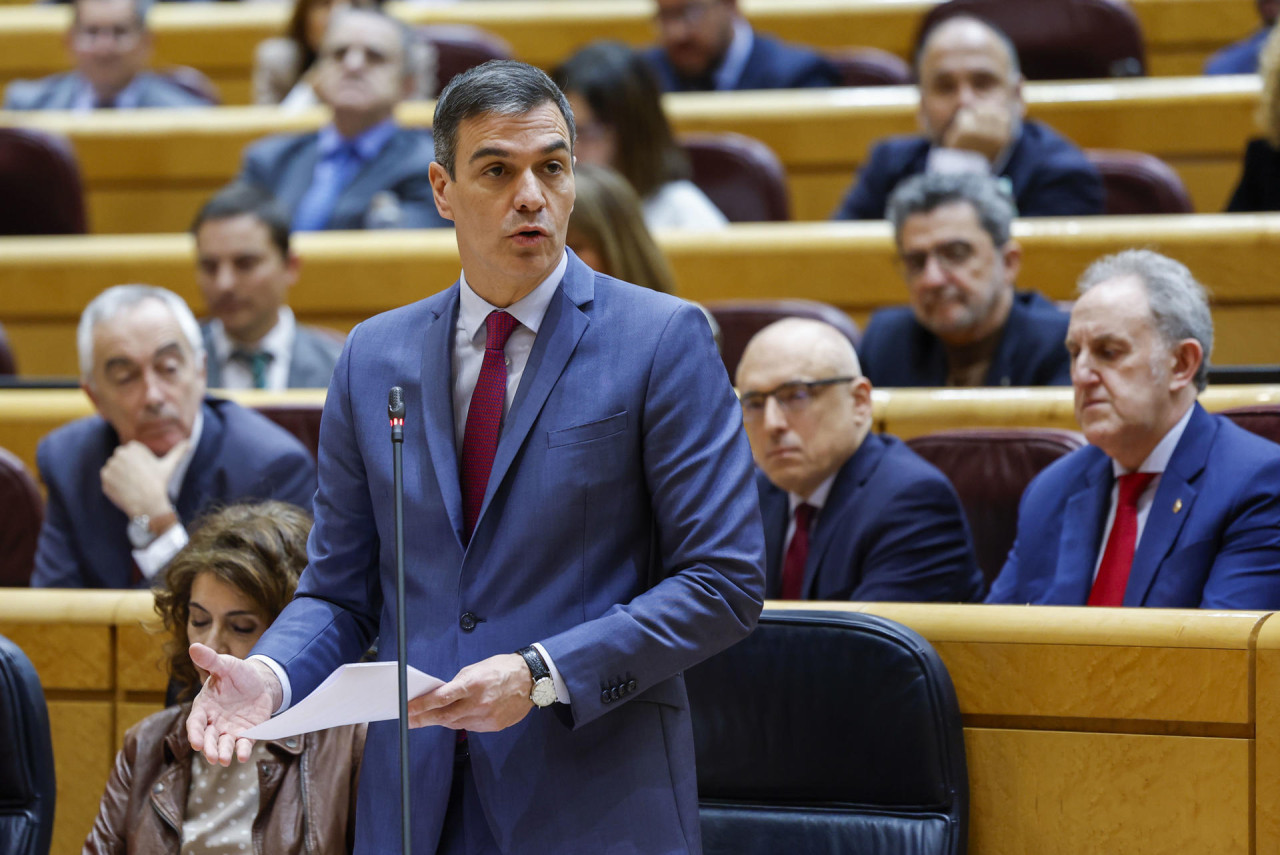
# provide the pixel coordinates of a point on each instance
(772, 64)
(892, 529)
(284, 165)
(897, 351)
(1048, 174)
(619, 529)
(1238, 57)
(84, 542)
(1212, 538)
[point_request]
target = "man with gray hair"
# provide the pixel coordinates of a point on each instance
(123, 483)
(971, 112)
(1168, 506)
(966, 325)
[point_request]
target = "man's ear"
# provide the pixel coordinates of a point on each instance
(1011, 256)
(87, 388)
(1187, 357)
(440, 182)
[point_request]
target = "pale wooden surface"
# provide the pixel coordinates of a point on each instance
(147, 170)
(1267, 751)
(83, 751)
(349, 276)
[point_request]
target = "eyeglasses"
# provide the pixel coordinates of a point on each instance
(689, 15)
(950, 255)
(793, 396)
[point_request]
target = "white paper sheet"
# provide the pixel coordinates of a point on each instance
(364, 691)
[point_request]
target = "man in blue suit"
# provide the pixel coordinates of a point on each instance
(608, 530)
(966, 325)
(1168, 506)
(1242, 57)
(123, 483)
(971, 112)
(362, 170)
(848, 514)
(707, 46)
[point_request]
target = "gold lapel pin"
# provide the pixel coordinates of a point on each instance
(1177, 505)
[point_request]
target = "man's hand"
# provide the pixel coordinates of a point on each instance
(237, 696)
(983, 127)
(487, 696)
(137, 482)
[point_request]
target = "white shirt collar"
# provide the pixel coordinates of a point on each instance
(529, 310)
(817, 498)
(180, 471)
(1158, 459)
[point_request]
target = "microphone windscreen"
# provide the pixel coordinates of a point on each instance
(395, 403)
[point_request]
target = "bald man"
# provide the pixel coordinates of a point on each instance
(848, 514)
(971, 115)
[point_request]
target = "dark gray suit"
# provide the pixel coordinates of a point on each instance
(284, 165)
(60, 92)
(310, 365)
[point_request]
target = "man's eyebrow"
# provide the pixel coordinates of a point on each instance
(170, 349)
(494, 151)
(118, 363)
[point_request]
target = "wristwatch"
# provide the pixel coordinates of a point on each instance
(140, 534)
(544, 688)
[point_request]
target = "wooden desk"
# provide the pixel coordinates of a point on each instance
(46, 282)
(149, 171)
(219, 39)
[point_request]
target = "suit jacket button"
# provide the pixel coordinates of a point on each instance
(615, 693)
(631, 686)
(468, 622)
(605, 697)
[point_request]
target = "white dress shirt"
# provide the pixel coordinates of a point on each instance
(158, 553)
(817, 499)
(236, 373)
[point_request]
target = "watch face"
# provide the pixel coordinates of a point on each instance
(544, 692)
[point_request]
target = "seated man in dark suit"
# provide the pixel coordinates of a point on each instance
(245, 268)
(706, 45)
(362, 170)
(111, 46)
(971, 112)
(966, 325)
(848, 514)
(1167, 506)
(158, 453)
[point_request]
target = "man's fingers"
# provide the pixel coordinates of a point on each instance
(244, 747)
(170, 461)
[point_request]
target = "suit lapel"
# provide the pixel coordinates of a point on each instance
(196, 486)
(852, 475)
(558, 336)
(1082, 523)
(774, 511)
(300, 170)
(1175, 490)
(437, 407)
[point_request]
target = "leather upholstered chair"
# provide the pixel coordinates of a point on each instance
(1059, 39)
(27, 785)
(1262, 419)
(301, 420)
(741, 175)
(990, 468)
(739, 320)
(1135, 182)
(829, 732)
(8, 365)
(868, 66)
(19, 523)
(40, 185)
(460, 47)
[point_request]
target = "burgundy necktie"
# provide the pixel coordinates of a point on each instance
(484, 418)
(797, 554)
(1117, 559)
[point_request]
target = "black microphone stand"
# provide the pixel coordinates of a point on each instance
(395, 410)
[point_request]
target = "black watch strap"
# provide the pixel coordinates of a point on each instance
(537, 665)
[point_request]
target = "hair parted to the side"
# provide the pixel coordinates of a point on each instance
(117, 299)
(238, 199)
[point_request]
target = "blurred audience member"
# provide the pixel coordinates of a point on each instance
(361, 170)
(1168, 506)
(158, 452)
(1259, 187)
(111, 46)
(245, 268)
(971, 112)
(618, 112)
(1242, 56)
(284, 67)
(848, 514)
(607, 230)
(707, 45)
(298, 795)
(966, 325)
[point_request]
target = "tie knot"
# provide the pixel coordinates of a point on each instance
(804, 515)
(498, 328)
(1132, 485)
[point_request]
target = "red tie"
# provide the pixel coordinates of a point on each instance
(1117, 560)
(484, 418)
(797, 554)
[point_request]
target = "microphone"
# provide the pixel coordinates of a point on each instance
(395, 412)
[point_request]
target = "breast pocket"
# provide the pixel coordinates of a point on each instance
(588, 432)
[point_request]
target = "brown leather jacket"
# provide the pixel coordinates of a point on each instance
(307, 791)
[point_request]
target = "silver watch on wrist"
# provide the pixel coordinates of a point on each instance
(140, 534)
(544, 688)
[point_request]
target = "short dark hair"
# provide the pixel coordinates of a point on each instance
(928, 191)
(238, 199)
(140, 9)
(624, 95)
(501, 87)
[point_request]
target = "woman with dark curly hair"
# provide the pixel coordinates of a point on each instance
(226, 586)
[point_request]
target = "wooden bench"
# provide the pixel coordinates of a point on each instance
(1103, 731)
(220, 38)
(346, 277)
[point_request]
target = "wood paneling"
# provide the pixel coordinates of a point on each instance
(83, 751)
